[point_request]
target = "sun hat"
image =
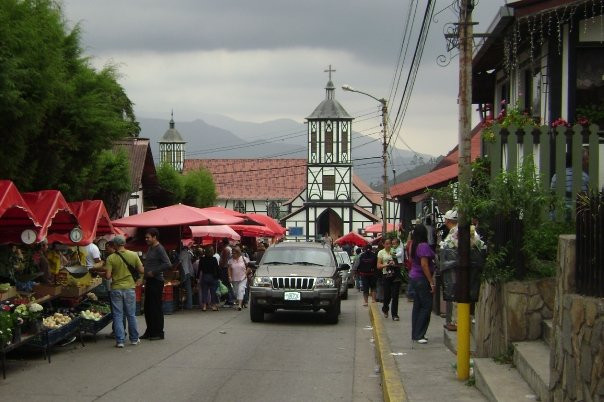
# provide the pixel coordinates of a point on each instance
(451, 215)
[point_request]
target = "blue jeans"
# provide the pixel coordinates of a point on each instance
(123, 303)
(422, 308)
(186, 285)
(208, 289)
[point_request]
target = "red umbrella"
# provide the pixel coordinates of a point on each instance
(15, 215)
(268, 222)
(352, 238)
(253, 230)
(52, 211)
(217, 231)
(223, 210)
(377, 228)
(177, 215)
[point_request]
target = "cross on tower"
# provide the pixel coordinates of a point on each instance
(329, 70)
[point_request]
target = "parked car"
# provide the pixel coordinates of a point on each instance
(297, 276)
(342, 257)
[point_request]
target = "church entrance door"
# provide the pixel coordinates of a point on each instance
(329, 222)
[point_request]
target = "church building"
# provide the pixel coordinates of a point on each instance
(310, 197)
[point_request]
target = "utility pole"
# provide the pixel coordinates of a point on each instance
(465, 177)
(384, 103)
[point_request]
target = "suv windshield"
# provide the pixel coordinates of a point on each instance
(298, 255)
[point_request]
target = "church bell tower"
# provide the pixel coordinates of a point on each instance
(172, 147)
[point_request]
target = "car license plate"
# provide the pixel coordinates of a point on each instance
(291, 295)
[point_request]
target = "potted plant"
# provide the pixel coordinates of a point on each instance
(6, 326)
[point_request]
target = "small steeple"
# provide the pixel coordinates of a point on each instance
(172, 119)
(329, 88)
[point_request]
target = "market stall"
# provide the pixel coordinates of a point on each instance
(352, 238)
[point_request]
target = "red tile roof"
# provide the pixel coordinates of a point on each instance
(374, 196)
(445, 172)
(254, 179)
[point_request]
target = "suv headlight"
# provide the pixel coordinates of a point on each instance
(324, 283)
(262, 282)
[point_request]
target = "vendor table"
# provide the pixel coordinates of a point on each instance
(93, 327)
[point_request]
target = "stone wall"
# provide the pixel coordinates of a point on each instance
(577, 355)
(511, 312)
(526, 305)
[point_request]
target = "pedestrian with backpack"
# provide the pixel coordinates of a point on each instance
(367, 270)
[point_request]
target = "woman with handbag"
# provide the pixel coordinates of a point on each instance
(238, 275)
(391, 279)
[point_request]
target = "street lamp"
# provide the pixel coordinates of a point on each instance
(384, 103)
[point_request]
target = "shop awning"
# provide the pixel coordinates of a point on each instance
(15, 214)
(177, 215)
(52, 212)
(352, 238)
(216, 231)
(377, 227)
(94, 222)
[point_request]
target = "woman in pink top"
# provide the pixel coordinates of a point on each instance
(238, 275)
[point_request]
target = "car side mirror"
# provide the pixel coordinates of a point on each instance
(343, 267)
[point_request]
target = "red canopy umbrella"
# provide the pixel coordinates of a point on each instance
(217, 231)
(224, 210)
(269, 223)
(52, 211)
(352, 238)
(15, 215)
(94, 222)
(177, 215)
(253, 230)
(377, 228)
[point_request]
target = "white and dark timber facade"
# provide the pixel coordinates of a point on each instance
(335, 201)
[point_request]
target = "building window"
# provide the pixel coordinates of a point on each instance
(329, 182)
(328, 142)
(344, 142)
(313, 142)
(239, 207)
(133, 210)
(273, 210)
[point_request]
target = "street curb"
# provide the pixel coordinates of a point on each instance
(392, 386)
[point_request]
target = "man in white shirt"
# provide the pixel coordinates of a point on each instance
(93, 257)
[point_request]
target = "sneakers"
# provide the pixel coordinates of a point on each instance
(119, 345)
(136, 342)
(395, 318)
(423, 341)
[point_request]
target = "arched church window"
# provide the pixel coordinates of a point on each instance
(239, 207)
(273, 210)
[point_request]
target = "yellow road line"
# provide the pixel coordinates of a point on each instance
(392, 386)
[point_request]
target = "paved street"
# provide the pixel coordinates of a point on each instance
(213, 356)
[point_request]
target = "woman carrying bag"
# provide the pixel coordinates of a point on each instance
(238, 275)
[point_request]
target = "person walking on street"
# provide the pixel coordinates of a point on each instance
(122, 294)
(238, 275)
(223, 262)
(367, 269)
(156, 262)
(451, 228)
(422, 267)
(185, 259)
(391, 279)
(207, 276)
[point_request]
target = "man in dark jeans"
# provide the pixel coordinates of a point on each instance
(156, 262)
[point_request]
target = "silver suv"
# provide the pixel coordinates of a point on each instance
(296, 276)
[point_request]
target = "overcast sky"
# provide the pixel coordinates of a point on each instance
(258, 60)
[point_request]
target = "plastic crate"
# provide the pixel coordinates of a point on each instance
(92, 327)
(56, 335)
(168, 294)
(168, 307)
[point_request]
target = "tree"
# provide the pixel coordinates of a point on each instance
(200, 190)
(170, 180)
(58, 113)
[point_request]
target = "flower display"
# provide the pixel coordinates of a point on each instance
(452, 239)
(35, 311)
(560, 122)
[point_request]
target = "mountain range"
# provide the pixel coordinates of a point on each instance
(217, 136)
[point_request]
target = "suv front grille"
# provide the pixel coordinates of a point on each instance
(303, 283)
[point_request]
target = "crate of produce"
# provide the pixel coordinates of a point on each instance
(56, 335)
(42, 290)
(91, 326)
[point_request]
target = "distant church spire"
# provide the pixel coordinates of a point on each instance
(172, 119)
(329, 88)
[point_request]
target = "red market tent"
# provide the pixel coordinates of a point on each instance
(217, 232)
(15, 214)
(377, 228)
(253, 230)
(352, 238)
(177, 215)
(224, 210)
(52, 211)
(268, 222)
(94, 222)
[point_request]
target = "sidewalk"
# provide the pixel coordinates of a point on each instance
(426, 371)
